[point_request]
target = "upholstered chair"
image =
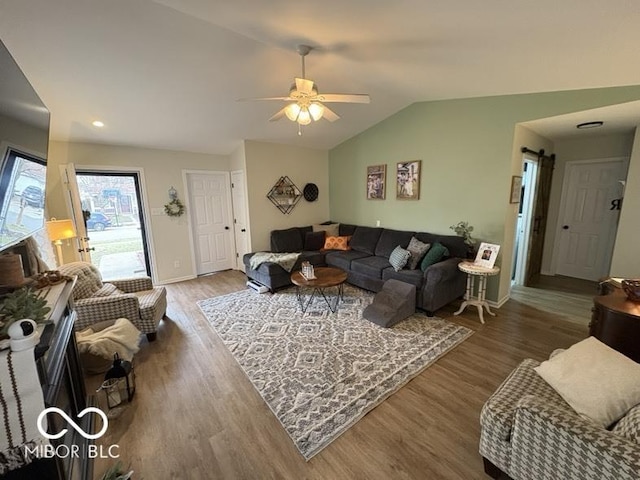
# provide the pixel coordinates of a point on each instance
(134, 298)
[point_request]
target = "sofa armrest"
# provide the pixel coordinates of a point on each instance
(131, 285)
(442, 271)
(548, 442)
(98, 309)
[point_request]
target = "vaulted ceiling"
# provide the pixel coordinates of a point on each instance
(168, 73)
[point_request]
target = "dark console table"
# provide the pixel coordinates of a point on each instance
(616, 322)
(62, 381)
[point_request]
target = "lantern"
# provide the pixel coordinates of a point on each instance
(119, 382)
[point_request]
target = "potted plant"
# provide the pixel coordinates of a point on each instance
(22, 303)
(463, 229)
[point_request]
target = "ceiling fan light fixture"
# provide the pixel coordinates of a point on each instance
(316, 110)
(292, 111)
(304, 118)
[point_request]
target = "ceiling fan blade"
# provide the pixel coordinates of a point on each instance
(344, 98)
(277, 116)
(330, 114)
(283, 99)
(304, 85)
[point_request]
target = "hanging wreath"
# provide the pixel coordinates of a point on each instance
(175, 208)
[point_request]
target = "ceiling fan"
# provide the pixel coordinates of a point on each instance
(305, 103)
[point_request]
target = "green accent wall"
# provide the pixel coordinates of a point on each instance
(468, 157)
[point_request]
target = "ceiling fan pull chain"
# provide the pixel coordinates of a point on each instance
(299, 129)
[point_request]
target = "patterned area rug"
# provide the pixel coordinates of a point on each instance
(321, 372)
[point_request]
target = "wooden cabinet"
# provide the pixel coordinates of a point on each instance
(616, 322)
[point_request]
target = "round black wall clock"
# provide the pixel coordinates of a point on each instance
(310, 192)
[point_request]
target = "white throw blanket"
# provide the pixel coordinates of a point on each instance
(122, 338)
(285, 260)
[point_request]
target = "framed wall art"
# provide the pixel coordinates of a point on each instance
(376, 182)
(408, 180)
(516, 189)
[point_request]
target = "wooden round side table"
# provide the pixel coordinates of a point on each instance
(474, 272)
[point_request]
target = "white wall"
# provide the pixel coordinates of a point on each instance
(265, 164)
(626, 256)
(162, 169)
(579, 148)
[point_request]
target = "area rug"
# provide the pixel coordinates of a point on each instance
(321, 372)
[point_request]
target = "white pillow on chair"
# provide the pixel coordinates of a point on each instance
(596, 380)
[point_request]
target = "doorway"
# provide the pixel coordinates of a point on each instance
(525, 216)
(107, 206)
(211, 221)
(588, 218)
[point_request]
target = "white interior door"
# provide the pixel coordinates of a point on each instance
(210, 209)
(74, 207)
(589, 218)
(240, 223)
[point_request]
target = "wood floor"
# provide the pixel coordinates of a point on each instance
(196, 415)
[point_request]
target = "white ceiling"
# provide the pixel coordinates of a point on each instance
(167, 73)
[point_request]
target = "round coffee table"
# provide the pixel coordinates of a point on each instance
(326, 277)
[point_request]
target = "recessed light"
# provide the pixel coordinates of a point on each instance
(97, 123)
(590, 125)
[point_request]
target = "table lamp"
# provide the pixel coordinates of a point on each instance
(59, 230)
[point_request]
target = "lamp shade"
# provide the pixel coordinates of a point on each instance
(292, 111)
(60, 229)
(316, 110)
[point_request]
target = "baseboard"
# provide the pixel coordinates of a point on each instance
(176, 280)
(549, 273)
(499, 303)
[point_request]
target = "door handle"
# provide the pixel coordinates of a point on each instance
(565, 227)
(243, 229)
(226, 228)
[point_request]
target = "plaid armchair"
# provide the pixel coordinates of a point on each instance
(135, 299)
(530, 433)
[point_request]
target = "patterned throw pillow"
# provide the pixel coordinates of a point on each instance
(337, 243)
(399, 258)
(417, 250)
(436, 253)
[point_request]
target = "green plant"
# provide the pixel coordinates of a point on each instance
(463, 229)
(22, 303)
(116, 472)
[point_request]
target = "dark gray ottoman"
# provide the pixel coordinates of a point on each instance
(395, 302)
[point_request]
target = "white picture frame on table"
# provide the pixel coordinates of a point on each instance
(487, 254)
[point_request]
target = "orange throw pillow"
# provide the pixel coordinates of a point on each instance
(337, 243)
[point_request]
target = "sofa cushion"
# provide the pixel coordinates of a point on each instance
(337, 243)
(399, 258)
(342, 259)
(414, 277)
(314, 257)
(346, 229)
(596, 380)
(455, 244)
(289, 240)
(435, 254)
(417, 249)
(364, 239)
(389, 240)
(314, 240)
(372, 266)
(332, 229)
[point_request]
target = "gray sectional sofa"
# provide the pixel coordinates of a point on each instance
(367, 262)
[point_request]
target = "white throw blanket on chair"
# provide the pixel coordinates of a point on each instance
(122, 338)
